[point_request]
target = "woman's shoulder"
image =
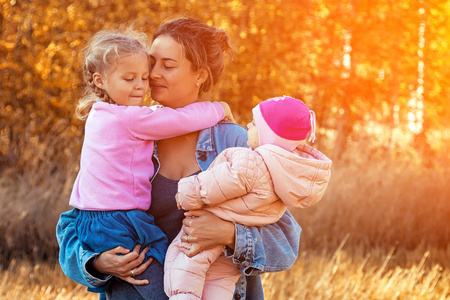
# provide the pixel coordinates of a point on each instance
(230, 126)
(228, 134)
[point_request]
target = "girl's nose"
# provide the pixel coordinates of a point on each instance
(140, 84)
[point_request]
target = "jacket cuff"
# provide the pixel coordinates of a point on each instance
(244, 251)
(93, 277)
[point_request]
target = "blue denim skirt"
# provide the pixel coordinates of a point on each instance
(99, 231)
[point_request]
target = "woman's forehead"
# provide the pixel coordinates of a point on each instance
(166, 46)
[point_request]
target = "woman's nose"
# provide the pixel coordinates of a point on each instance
(155, 72)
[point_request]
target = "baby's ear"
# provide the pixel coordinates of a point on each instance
(98, 80)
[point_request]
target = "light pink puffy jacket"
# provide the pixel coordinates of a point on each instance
(245, 186)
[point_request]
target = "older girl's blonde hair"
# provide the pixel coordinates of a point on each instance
(100, 56)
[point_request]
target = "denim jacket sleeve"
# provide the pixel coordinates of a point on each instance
(270, 248)
(73, 258)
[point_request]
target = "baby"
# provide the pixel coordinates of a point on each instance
(251, 186)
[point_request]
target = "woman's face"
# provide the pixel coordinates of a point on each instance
(172, 81)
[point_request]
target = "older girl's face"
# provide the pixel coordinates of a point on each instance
(172, 81)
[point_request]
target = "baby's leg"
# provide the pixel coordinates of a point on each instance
(221, 279)
(184, 276)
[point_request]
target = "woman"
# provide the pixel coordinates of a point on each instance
(187, 60)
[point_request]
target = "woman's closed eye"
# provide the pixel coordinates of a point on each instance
(131, 79)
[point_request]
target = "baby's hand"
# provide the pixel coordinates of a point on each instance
(228, 114)
(177, 198)
(187, 196)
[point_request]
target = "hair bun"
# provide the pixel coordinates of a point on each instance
(223, 40)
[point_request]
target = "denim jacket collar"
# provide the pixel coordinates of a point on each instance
(205, 140)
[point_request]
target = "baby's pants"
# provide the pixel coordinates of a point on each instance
(207, 275)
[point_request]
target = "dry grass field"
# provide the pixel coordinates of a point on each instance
(314, 276)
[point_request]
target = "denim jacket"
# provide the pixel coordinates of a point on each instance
(269, 248)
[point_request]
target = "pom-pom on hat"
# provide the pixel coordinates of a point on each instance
(284, 122)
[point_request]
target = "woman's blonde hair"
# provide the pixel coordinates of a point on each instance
(203, 45)
(100, 56)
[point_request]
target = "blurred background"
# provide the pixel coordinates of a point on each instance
(377, 74)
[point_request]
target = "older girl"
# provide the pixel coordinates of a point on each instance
(112, 189)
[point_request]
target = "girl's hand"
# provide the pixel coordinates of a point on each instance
(204, 230)
(228, 114)
(120, 261)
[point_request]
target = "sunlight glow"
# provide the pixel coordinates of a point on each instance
(415, 103)
(346, 58)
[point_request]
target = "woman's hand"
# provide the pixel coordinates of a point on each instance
(122, 263)
(204, 230)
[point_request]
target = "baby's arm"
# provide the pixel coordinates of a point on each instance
(227, 180)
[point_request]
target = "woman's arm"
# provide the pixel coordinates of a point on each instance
(269, 248)
(89, 268)
(120, 261)
(204, 230)
(72, 257)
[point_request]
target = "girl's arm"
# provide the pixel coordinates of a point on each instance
(163, 122)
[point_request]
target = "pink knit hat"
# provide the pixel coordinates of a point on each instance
(284, 122)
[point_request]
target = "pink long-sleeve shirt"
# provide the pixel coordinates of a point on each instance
(116, 158)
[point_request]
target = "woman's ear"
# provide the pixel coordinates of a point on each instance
(202, 76)
(98, 80)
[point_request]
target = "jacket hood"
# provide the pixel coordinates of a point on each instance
(300, 177)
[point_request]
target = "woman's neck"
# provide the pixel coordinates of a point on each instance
(177, 156)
